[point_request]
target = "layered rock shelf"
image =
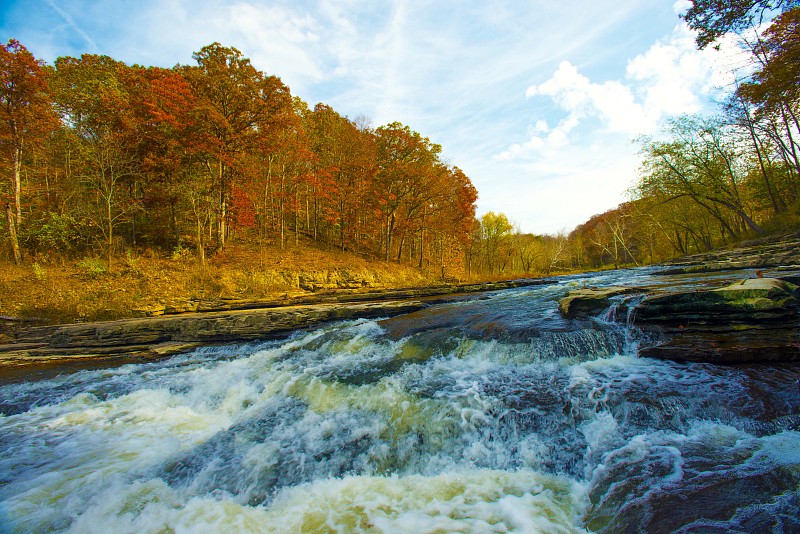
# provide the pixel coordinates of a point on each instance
(56, 348)
(754, 320)
(751, 320)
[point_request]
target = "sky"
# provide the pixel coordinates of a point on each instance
(538, 102)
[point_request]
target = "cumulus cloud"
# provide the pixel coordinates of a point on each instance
(670, 78)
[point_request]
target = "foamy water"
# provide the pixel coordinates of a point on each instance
(493, 415)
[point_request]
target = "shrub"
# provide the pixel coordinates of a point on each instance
(52, 233)
(92, 267)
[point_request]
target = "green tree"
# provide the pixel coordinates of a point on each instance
(496, 232)
(701, 163)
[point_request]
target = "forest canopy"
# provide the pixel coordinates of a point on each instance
(101, 154)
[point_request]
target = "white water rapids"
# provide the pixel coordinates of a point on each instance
(485, 415)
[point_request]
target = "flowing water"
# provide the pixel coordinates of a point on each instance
(490, 414)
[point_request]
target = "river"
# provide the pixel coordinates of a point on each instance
(486, 414)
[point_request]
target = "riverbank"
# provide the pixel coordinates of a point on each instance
(52, 349)
(53, 290)
(162, 330)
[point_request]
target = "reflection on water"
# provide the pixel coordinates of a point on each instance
(490, 415)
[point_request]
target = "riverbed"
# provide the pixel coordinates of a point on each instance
(485, 414)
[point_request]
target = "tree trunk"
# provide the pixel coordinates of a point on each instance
(281, 214)
(174, 223)
(296, 219)
(389, 228)
(18, 184)
(12, 234)
(776, 208)
(223, 209)
(201, 252)
(110, 234)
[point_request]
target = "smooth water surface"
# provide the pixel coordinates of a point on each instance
(492, 414)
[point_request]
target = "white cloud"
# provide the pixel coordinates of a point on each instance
(276, 40)
(670, 78)
(681, 6)
(674, 77)
(611, 102)
(586, 161)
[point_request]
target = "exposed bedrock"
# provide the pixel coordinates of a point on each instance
(752, 320)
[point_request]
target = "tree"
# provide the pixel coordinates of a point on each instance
(237, 106)
(163, 103)
(95, 102)
(700, 162)
(345, 165)
(404, 159)
(496, 231)
(714, 18)
(25, 118)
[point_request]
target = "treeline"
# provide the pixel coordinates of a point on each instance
(102, 156)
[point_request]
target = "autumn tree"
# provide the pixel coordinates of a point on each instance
(345, 165)
(236, 107)
(162, 103)
(773, 93)
(404, 161)
(26, 117)
(451, 220)
(94, 102)
(216, 151)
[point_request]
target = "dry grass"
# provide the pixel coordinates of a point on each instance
(56, 290)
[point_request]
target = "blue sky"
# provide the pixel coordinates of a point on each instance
(537, 101)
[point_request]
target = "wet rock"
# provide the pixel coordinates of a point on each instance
(733, 347)
(218, 321)
(157, 337)
(755, 320)
(590, 301)
(752, 301)
(239, 325)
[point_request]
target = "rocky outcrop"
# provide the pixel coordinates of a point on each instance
(586, 302)
(212, 327)
(755, 345)
(754, 320)
(122, 341)
(323, 295)
(748, 302)
(27, 349)
(780, 252)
